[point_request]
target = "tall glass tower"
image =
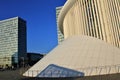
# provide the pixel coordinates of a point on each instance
(12, 41)
(60, 35)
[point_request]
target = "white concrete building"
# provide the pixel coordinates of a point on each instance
(92, 39)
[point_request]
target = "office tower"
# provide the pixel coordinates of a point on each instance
(12, 42)
(59, 34)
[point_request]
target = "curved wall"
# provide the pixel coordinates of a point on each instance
(96, 18)
(85, 54)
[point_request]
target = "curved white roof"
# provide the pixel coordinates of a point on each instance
(82, 53)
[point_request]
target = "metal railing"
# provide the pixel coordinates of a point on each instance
(100, 70)
(89, 71)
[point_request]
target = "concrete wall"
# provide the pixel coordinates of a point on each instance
(96, 18)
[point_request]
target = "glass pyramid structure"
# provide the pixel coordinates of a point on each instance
(57, 71)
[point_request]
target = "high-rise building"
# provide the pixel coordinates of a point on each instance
(12, 41)
(59, 34)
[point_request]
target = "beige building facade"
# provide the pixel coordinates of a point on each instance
(91, 30)
(96, 18)
(85, 54)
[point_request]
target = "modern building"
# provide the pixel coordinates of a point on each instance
(92, 41)
(59, 34)
(95, 18)
(12, 41)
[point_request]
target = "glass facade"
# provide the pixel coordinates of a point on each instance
(12, 38)
(58, 71)
(60, 35)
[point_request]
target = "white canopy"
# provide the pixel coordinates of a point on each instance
(82, 53)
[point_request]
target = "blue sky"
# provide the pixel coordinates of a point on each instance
(41, 21)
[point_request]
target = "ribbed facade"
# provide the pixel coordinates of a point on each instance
(98, 21)
(96, 18)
